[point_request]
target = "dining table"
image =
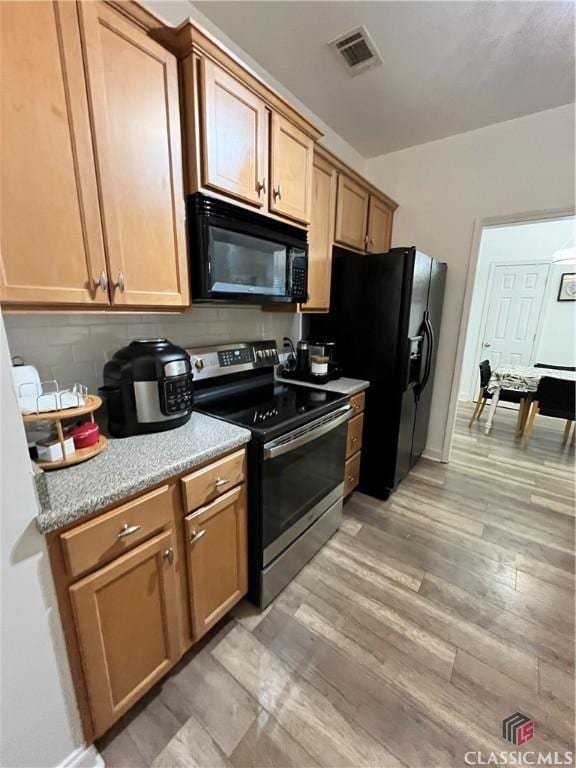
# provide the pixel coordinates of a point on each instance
(519, 378)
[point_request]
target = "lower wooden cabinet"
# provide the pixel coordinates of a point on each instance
(352, 473)
(354, 444)
(135, 591)
(127, 622)
(216, 539)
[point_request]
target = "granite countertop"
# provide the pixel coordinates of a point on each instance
(128, 466)
(343, 385)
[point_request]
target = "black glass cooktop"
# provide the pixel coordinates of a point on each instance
(272, 409)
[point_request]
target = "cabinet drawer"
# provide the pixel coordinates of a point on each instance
(102, 539)
(354, 440)
(357, 402)
(212, 481)
(352, 473)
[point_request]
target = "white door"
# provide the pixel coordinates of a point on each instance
(515, 304)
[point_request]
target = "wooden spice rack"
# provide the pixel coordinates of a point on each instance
(93, 402)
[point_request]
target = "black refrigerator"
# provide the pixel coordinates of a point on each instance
(385, 312)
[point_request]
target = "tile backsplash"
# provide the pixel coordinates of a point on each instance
(74, 347)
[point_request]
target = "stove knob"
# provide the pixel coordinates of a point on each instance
(199, 363)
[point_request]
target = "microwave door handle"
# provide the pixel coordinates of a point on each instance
(280, 447)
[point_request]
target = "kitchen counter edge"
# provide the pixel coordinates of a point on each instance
(343, 385)
(130, 466)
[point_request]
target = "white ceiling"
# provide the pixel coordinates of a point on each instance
(448, 67)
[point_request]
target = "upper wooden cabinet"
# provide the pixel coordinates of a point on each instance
(363, 219)
(234, 131)
(133, 85)
(321, 236)
(51, 238)
(127, 618)
(291, 155)
(379, 226)
(351, 213)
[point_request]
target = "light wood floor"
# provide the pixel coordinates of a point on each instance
(422, 624)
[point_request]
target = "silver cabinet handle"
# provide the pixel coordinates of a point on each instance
(277, 192)
(354, 439)
(103, 282)
(197, 535)
(261, 187)
(220, 482)
(128, 530)
(169, 555)
(120, 283)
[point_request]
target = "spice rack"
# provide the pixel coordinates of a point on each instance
(93, 402)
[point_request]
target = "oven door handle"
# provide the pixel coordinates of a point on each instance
(285, 444)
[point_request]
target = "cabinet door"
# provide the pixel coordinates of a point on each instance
(234, 136)
(379, 226)
(216, 540)
(133, 85)
(321, 236)
(51, 238)
(291, 170)
(127, 622)
(351, 214)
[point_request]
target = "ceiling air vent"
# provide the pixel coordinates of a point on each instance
(357, 49)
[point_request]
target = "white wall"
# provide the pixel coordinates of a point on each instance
(443, 188)
(38, 718)
(558, 338)
(523, 243)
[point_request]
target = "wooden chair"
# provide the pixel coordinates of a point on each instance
(506, 395)
(555, 398)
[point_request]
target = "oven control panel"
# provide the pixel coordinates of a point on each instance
(208, 362)
(236, 356)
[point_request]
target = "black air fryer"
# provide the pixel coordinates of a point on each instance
(147, 388)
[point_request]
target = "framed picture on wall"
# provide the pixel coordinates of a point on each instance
(567, 291)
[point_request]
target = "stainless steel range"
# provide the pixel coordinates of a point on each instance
(295, 458)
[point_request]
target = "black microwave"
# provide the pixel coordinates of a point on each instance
(239, 255)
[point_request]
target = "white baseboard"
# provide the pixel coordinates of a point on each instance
(84, 757)
(433, 454)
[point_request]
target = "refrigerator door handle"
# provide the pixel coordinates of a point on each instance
(429, 332)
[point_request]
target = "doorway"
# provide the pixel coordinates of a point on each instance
(514, 312)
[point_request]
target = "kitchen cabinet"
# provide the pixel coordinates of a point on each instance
(133, 88)
(52, 249)
(379, 226)
(127, 618)
(135, 592)
(235, 141)
(321, 235)
(291, 155)
(351, 213)
(354, 444)
(363, 219)
(217, 561)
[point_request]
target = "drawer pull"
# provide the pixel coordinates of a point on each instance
(197, 535)
(128, 530)
(351, 479)
(219, 482)
(169, 555)
(354, 439)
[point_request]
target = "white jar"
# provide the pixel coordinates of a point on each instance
(319, 365)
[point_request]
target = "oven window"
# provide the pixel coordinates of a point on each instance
(296, 481)
(240, 263)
